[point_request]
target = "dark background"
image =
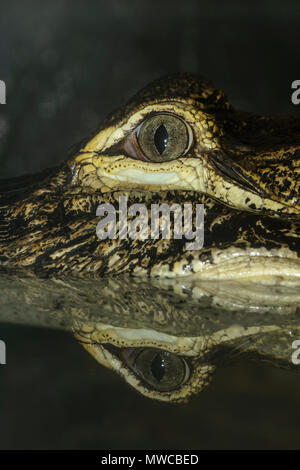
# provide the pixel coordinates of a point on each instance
(66, 65)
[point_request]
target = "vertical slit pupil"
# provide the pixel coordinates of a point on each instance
(161, 138)
(158, 367)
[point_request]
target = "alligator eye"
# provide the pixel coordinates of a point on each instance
(161, 370)
(161, 137)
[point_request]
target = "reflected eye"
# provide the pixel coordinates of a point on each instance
(162, 137)
(161, 370)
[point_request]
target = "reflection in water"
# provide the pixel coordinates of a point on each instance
(164, 337)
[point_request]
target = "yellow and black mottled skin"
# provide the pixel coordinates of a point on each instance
(49, 227)
(48, 221)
